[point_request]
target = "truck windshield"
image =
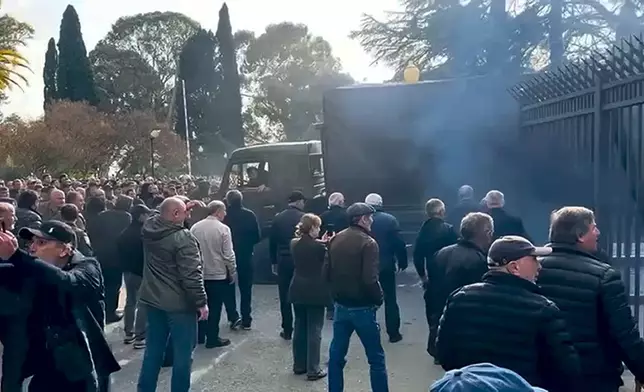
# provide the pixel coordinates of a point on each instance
(249, 175)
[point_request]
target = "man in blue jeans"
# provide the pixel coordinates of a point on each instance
(173, 292)
(352, 272)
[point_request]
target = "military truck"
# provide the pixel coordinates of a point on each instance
(407, 142)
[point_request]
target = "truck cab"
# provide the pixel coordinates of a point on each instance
(265, 175)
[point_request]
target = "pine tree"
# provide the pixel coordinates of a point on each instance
(49, 73)
(74, 76)
(230, 102)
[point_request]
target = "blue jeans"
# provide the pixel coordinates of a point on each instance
(363, 322)
(182, 327)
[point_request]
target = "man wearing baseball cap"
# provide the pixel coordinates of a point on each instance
(505, 321)
(482, 377)
(70, 288)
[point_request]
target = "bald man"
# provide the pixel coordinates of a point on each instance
(504, 222)
(51, 209)
(173, 293)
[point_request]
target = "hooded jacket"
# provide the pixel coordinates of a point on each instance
(172, 273)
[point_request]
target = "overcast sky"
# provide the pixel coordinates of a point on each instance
(332, 19)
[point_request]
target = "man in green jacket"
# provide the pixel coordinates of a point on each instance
(173, 292)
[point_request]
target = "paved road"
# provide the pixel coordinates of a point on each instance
(259, 360)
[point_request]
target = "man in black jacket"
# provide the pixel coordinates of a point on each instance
(593, 299)
(335, 219)
(505, 321)
(244, 229)
(504, 223)
(130, 247)
(455, 266)
(465, 205)
(281, 234)
(67, 348)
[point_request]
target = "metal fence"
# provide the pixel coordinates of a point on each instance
(583, 127)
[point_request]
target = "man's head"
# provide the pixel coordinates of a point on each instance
(494, 199)
(574, 226)
(435, 208)
(27, 200)
(17, 184)
(69, 213)
(478, 228)
(217, 209)
(52, 243)
(252, 172)
(374, 200)
(336, 200)
(140, 213)
(7, 215)
(297, 199)
(465, 192)
(76, 199)
(482, 377)
(234, 198)
(173, 210)
(4, 191)
(57, 198)
(517, 256)
(361, 214)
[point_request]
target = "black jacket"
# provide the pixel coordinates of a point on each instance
(434, 235)
(103, 233)
(69, 301)
(281, 233)
(385, 229)
(504, 321)
(335, 219)
(456, 214)
(506, 224)
(454, 266)
(130, 247)
(245, 231)
(595, 303)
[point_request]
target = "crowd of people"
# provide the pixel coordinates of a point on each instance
(497, 307)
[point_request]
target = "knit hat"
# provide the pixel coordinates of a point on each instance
(482, 377)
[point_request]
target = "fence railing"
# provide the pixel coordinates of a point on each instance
(583, 125)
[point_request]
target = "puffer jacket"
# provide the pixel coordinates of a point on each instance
(172, 274)
(595, 303)
(504, 321)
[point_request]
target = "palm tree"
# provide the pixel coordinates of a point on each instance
(13, 36)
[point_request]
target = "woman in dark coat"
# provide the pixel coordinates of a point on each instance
(309, 294)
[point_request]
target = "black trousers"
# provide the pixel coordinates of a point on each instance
(245, 284)
(113, 278)
(392, 311)
(284, 277)
(307, 338)
(217, 292)
(432, 321)
(15, 341)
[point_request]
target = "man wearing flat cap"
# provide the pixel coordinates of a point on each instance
(503, 320)
(68, 306)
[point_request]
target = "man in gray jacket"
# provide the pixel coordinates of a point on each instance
(219, 270)
(173, 292)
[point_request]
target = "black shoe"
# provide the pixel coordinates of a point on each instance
(299, 372)
(395, 338)
(286, 336)
(129, 339)
(218, 343)
(246, 326)
(235, 325)
(317, 376)
(113, 318)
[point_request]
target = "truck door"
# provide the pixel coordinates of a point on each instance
(253, 180)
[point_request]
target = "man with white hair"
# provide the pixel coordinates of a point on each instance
(386, 231)
(504, 223)
(335, 219)
(464, 206)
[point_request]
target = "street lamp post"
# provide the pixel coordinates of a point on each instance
(153, 135)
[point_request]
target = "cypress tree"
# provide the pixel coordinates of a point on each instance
(49, 73)
(230, 102)
(74, 76)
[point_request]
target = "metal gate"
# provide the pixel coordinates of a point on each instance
(583, 126)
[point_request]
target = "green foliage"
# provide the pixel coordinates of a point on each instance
(199, 69)
(230, 102)
(287, 71)
(74, 77)
(14, 35)
(157, 37)
(125, 81)
(50, 91)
